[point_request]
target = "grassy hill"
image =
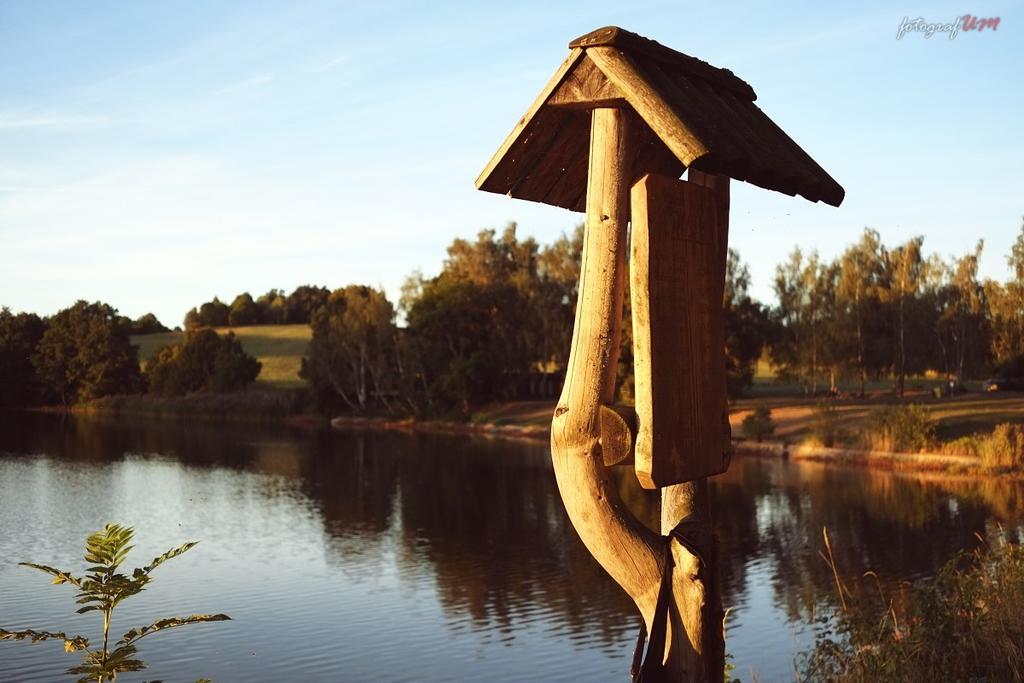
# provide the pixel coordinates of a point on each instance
(279, 348)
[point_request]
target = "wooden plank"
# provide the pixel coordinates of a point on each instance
(677, 282)
(553, 161)
(649, 104)
(574, 56)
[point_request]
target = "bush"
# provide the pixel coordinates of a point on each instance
(759, 424)
(825, 424)
(907, 428)
(967, 624)
(204, 362)
(1011, 368)
(1004, 448)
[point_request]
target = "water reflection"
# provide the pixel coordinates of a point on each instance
(472, 533)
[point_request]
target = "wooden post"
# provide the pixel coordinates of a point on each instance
(583, 427)
(630, 552)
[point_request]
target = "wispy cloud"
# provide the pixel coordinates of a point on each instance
(26, 119)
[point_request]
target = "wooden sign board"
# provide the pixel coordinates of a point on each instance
(677, 277)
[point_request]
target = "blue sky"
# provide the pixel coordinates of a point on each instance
(153, 155)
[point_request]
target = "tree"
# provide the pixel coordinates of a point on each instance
(860, 286)
(558, 270)
(243, 311)
(19, 336)
(86, 353)
(304, 302)
(205, 361)
(147, 324)
(214, 313)
(466, 342)
(1006, 307)
(961, 322)
(748, 326)
(352, 355)
(906, 266)
(273, 307)
(192, 321)
(789, 348)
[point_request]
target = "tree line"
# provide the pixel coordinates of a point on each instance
(272, 308)
(878, 312)
(84, 352)
(496, 324)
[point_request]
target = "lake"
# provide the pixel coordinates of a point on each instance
(349, 556)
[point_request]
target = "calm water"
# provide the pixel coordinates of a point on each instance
(386, 557)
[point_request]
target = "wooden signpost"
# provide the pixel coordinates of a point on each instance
(611, 133)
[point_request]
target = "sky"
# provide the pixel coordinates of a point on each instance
(154, 155)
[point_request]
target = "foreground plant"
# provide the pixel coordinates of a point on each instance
(965, 624)
(102, 589)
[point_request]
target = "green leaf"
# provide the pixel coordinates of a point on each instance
(60, 576)
(72, 642)
(169, 555)
(163, 624)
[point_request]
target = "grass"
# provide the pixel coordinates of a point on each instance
(960, 416)
(799, 419)
(279, 348)
(965, 624)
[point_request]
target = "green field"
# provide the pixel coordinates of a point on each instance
(279, 348)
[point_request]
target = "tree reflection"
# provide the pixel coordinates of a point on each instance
(483, 522)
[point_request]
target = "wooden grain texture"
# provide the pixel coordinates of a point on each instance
(587, 434)
(649, 104)
(586, 87)
(625, 548)
(676, 283)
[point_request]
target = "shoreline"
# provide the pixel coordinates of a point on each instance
(936, 464)
(409, 425)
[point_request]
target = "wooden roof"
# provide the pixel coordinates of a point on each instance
(688, 113)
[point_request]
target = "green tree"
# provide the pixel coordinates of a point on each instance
(273, 307)
(304, 302)
(961, 327)
(861, 284)
(1006, 307)
(214, 313)
(147, 324)
(906, 265)
(352, 355)
(558, 271)
(19, 336)
(748, 326)
(205, 361)
(243, 311)
(86, 353)
(789, 349)
(465, 339)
